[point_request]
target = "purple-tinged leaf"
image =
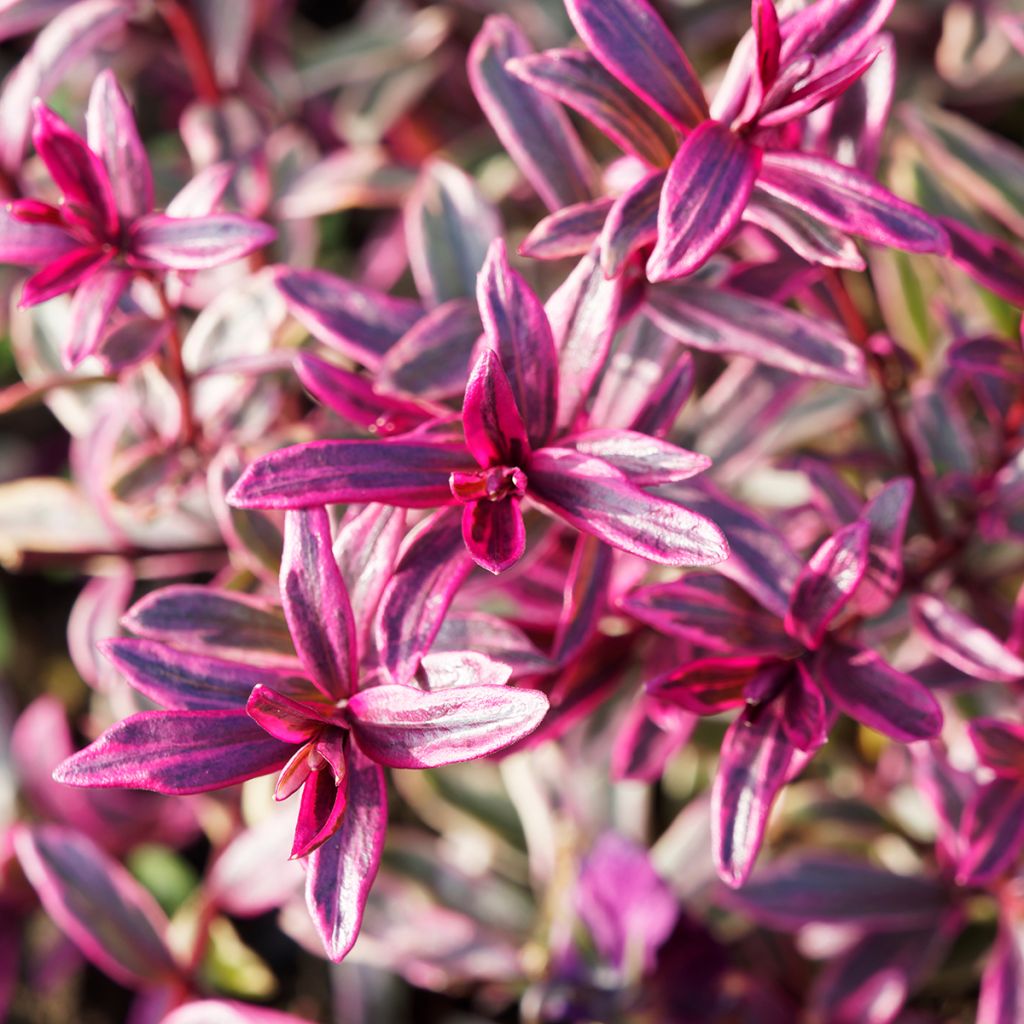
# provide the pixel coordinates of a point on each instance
(63, 274)
(519, 331)
(316, 603)
(585, 598)
(18, 17)
(494, 429)
(321, 811)
(990, 261)
(132, 341)
(444, 669)
(77, 172)
(224, 1011)
(709, 612)
(644, 460)
(410, 474)
(991, 832)
(811, 240)
(176, 752)
(493, 638)
(353, 397)
(366, 549)
(1000, 745)
(180, 681)
(804, 717)
(827, 583)
(705, 194)
(91, 307)
(1001, 1000)
(765, 20)
(343, 869)
(448, 227)
(729, 322)
(850, 201)
(534, 129)
(217, 622)
(629, 38)
(95, 615)
(577, 79)
(874, 693)
(403, 727)
(752, 768)
(113, 136)
(760, 558)
(962, 643)
(597, 499)
(114, 921)
(833, 30)
(431, 360)
(628, 910)
(584, 314)
(632, 223)
(886, 515)
(709, 686)
(870, 982)
(651, 734)
(827, 889)
(429, 572)
(570, 231)
(29, 244)
(197, 243)
(202, 193)
(494, 533)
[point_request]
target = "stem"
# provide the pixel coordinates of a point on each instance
(858, 331)
(193, 48)
(178, 374)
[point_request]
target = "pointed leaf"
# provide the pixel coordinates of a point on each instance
(811, 240)
(63, 274)
(632, 223)
(1002, 982)
(991, 831)
(494, 533)
(316, 603)
(644, 460)
(868, 689)
(634, 44)
(703, 199)
(533, 128)
(197, 243)
(403, 727)
(321, 812)
(94, 301)
(709, 686)
(28, 244)
(570, 231)
(176, 752)
(886, 515)
(827, 583)
(411, 474)
(999, 745)
(490, 418)
(585, 598)
(596, 498)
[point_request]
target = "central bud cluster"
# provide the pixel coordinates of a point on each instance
(494, 483)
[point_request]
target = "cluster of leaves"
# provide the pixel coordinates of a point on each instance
(643, 466)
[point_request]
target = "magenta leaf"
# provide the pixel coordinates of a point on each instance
(518, 329)
(597, 499)
(322, 808)
(727, 321)
(765, 20)
(224, 1011)
(533, 128)
(962, 643)
(650, 735)
(1001, 1000)
(113, 136)
(343, 869)
(828, 889)
(990, 261)
(28, 244)
(197, 243)
(705, 193)
(316, 603)
(494, 533)
(63, 274)
(886, 515)
(494, 429)
(411, 474)
(577, 79)
(1000, 745)
(709, 686)
(627, 908)
(403, 727)
(585, 598)
(644, 460)
(287, 720)
(752, 768)
(359, 322)
(811, 240)
(849, 200)
(490, 637)
(212, 621)
(632, 222)
(805, 717)
(874, 693)
(827, 583)
(133, 340)
(181, 681)
(94, 301)
(114, 921)
(991, 832)
(635, 45)
(176, 752)
(570, 231)
(429, 572)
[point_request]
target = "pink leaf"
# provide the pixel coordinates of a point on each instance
(494, 533)
(197, 243)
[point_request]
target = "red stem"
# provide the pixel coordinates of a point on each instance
(178, 374)
(193, 48)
